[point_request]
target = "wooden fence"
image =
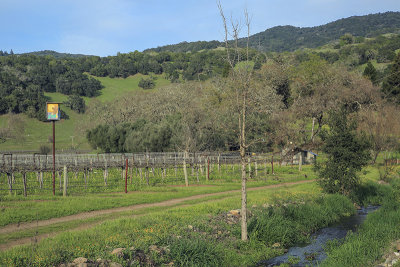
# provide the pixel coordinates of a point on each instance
(35, 170)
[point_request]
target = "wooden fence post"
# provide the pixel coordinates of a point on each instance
(65, 181)
(272, 165)
(185, 170)
(9, 179)
(265, 167)
(300, 160)
(41, 179)
(255, 167)
(219, 164)
(24, 181)
(201, 165)
(105, 173)
(208, 169)
(84, 177)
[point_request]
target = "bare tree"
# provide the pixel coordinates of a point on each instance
(382, 126)
(247, 96)
(317, 87)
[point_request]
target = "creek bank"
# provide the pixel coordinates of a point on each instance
(392, 258)
(313, 253)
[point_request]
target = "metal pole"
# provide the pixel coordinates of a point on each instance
(54, 158)
(126, 176)
(272, 164)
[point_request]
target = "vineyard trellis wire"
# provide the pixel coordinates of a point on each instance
(32, 173)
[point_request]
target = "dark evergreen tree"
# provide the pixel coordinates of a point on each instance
(76, 103)
(347, 153)
(391, 85)
(371, 73)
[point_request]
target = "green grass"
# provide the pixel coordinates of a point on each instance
(293, 224)
(187, 227)
(37, 133)
(17, 209)
(161, 229)
(368, 245)
(116, 87)
(66, 226)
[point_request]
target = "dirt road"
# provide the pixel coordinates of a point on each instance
(86, 215)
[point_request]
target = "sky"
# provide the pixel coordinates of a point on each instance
(106, 27)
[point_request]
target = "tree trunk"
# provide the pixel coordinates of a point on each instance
(312, 130)
(244, 194)
(242, 128)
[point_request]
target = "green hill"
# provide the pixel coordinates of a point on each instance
(290, 38)
(27, 82)
(55, 54)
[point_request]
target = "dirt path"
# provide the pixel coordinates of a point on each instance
(86, 215)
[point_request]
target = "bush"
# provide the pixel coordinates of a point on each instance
(43, 149)
(147, 83)
(76, 103)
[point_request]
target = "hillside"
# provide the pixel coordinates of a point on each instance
(290, 38)
(55, 54)
(116, 106)
(70, 134)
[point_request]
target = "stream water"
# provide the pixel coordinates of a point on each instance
(313, 253)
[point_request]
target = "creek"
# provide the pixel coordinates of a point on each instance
(313, 253)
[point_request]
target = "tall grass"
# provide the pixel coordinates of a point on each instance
(211, 241)
(294, 223)
(368, 245)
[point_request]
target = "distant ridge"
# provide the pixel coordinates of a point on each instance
(55, 54)
(290, 38)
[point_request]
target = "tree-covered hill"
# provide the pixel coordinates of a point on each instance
(290, 38)
(55, 54)
(99, 93)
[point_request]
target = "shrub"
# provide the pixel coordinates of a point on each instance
(76, 103)
(147, 83)
(43, 149)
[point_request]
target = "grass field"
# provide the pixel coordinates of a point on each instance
(115, 87)
(40, 204)
(197, 232)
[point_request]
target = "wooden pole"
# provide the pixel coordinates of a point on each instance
(9, 179)
(65, 181)
(59, 178)
(272, 165)
(300, 160)
(208, 169)
(41, 179)
(105, 173)
(185, 170)
(24, 181)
